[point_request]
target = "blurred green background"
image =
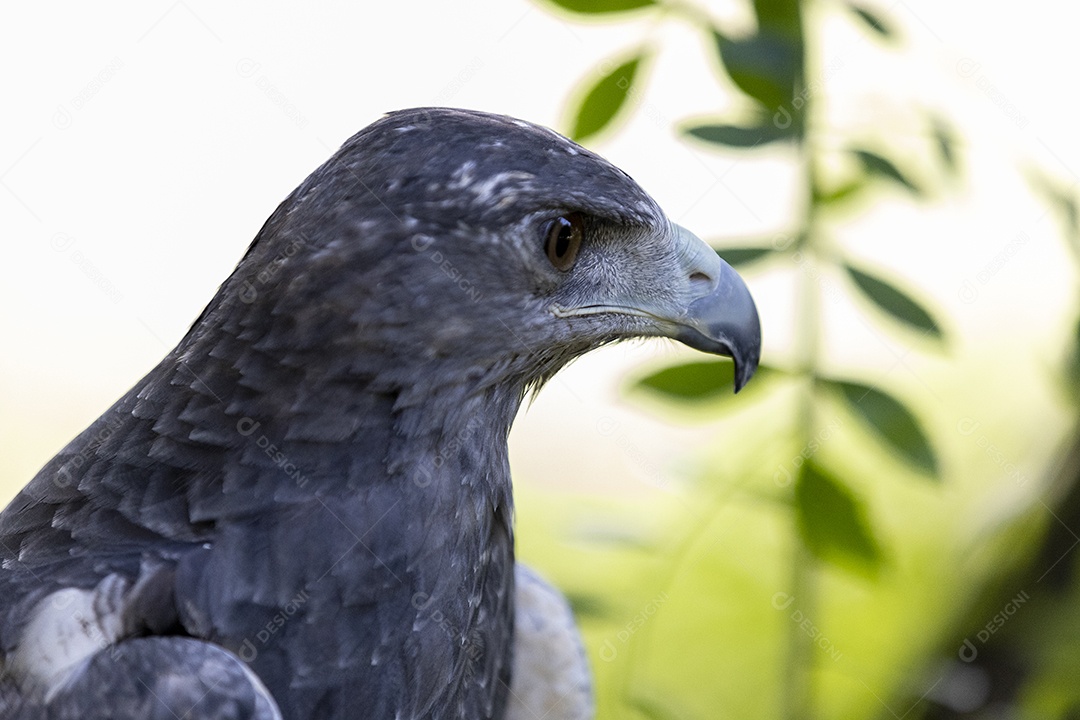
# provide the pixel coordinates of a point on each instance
(883, 524)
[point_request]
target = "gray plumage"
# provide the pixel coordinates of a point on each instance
(306, 508)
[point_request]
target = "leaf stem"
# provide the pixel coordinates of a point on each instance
(809, 256)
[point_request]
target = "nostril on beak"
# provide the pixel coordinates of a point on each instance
(701, 283)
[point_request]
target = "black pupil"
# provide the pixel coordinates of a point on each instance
(562, 243)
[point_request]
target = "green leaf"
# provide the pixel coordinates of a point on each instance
(895, 302)
(763, 133)
(833, 522)
(605, 99)
(872, 19)
(1063, 200)
(837, 195)
(894, 424)
(596, 7)
(699, 380)
(739, 256)
(764, 66)
(946, 143)
(704, 379)
(875, 164)
(1072, 362)
(781, 16)
(588, 605)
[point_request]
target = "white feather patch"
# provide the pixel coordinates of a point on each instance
(66, 628)
(551, 677)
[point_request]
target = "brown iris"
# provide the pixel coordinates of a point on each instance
(564, 240)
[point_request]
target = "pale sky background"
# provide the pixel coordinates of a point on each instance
(144, 144)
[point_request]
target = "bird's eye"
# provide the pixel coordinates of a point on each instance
(564, 240)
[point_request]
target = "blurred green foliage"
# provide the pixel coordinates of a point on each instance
(820, 574)
(606, 97)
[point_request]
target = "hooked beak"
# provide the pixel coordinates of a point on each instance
(719, 315)
(707, 306)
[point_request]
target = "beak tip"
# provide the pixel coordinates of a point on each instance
(727, 320)
(744, 370)
(747, 354)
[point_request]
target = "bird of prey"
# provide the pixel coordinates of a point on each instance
(304, 511)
